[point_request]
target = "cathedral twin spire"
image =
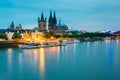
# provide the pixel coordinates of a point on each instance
(52, 20)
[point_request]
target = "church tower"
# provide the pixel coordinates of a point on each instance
(12, 26)
(42, 23)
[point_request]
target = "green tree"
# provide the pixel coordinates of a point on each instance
(16, 36)
(46, 35)
(3, 36)
(49, 34)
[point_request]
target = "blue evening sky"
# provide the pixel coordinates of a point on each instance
(92, 15)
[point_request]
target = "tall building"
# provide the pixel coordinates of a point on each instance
(12, 26)
(52, 22)
(42, 23)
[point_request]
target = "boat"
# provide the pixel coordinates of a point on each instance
(28, 46)
(45, 46)
(70, 42)
(62, 42)
(76, 41)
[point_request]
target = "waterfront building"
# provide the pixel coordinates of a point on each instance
(42, 23)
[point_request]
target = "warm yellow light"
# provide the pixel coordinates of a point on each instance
(51, 37)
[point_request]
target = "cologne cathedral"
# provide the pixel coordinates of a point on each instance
(52, 23)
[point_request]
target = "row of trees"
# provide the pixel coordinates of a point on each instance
(82, 35)
(15, 36)
(49, 34)
(3, 36)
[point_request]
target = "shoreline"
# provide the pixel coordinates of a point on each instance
(4, 44)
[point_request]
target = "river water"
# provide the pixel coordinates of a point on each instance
(78, 61)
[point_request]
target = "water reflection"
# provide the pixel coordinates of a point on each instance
(42, 61)
(36, 51)
(9, 60)
(10, 56)
(20, 58)
(107, 41)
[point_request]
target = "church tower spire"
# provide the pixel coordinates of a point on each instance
(42, 17)
(50, 21)
(42, 23)
(54, 19)
(50, 17)
(12, 26)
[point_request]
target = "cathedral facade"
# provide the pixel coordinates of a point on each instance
(52, 23)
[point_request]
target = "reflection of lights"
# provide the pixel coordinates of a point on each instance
(96, 43)
(9, 50)
(9, 55)
(20, 57)
(42, 60)
(36, 51)
(74, 45)
(107, 41)
(35, 54)
(20, 61)
(88, 48)
(57, 49)
(10, 58)
(117, 41)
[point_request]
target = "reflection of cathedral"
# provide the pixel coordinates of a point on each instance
(52, 23)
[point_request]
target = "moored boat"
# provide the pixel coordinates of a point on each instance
(62, 42)
(28, 46)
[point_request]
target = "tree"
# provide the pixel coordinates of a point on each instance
(46, 35)
(16, 36)
(49, 34)
(3, 36)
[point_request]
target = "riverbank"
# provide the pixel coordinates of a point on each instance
(56, 42)
(9, 44)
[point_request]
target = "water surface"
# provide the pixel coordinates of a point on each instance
(79, 61)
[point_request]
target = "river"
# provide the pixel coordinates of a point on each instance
(78, 61)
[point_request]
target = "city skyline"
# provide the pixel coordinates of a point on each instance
(90, 15)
